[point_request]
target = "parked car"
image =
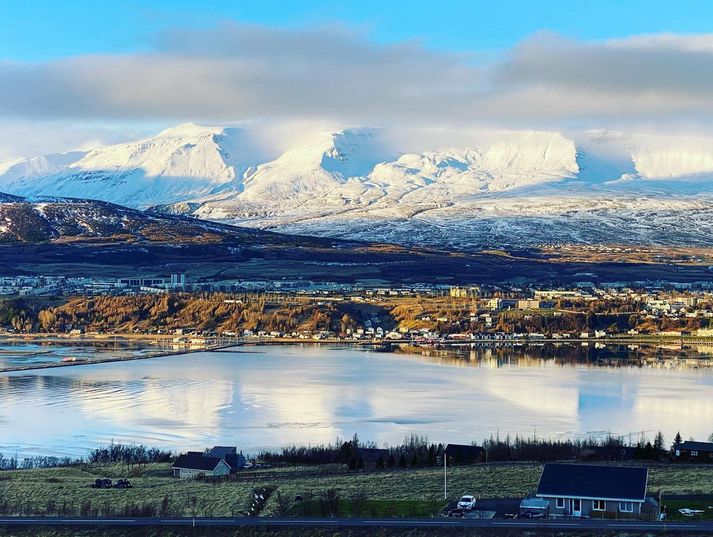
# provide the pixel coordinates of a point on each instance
(466, 502)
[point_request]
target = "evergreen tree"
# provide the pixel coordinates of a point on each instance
(677, 439)
(659, 441)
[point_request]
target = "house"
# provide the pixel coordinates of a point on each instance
(372, 458)
(693, 451)
(582, 490)
(463, 454)
(195, 465)
(229, 454)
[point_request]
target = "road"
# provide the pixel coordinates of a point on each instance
(688, 526)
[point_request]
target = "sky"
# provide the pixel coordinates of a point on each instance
(74, 74)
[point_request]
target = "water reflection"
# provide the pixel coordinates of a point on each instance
(19, 353)
(270, 396)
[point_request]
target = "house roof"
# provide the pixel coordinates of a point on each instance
(696, 446)
(373, 453)
(222, 451)
(194, 461)
(593, 481)
(463, 451)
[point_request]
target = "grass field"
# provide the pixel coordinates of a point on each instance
(67, 491)
(704, 504)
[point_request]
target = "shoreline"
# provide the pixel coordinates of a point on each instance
(221, 344)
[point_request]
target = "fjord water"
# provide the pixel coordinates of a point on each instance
(266, 397)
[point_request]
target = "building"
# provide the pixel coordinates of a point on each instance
(693, 451)
(464, 454)
(178, 281)
(464, 292)
(194, 465)
(501, 303)
(229, 454)
(582, 490)
(549, 294)
(528, 304)
(372, 458)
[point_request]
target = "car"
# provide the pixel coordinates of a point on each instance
(466, 502)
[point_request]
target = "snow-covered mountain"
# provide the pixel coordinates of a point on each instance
(184, 162)
(511, 188)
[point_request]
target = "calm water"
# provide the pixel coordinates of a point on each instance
(20, 353)
(262, 397)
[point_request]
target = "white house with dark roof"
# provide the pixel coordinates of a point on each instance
(193, 465)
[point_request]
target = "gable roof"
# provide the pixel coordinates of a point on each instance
(462, 451)
(193, 461)
(593, 481)
(373, 454)
(222, 451)
(696, 446)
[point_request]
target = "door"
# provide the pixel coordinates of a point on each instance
(575, 507)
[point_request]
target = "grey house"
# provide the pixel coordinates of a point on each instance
(581, 490)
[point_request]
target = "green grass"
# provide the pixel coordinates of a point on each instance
(372, 508)
(703, 504)
(391, 493)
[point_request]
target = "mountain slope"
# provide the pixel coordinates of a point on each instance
(180, 163)
(500, 188)
(77, 221)
(320, 164)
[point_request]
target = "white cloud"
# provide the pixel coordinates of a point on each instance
(236, 73)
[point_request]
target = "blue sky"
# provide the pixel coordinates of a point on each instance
(47, 29)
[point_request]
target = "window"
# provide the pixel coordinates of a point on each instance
(694, 453)
(599, 505)
(626, 507)
(560, 503)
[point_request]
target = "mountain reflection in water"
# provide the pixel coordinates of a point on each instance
(275, 395)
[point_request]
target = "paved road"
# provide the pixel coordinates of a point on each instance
(692, 526)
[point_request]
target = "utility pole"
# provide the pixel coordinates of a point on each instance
(445, 475)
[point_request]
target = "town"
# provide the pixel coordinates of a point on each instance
(305, 310)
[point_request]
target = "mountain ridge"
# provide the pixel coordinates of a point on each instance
(510, 186)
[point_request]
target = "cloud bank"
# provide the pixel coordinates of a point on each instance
(236, 72)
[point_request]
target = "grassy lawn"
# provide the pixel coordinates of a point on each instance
(67, 491)
(355, 507)
(702, 504)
